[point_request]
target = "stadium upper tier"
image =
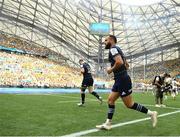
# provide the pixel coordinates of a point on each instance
(28, 47)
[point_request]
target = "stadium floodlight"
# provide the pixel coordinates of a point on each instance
(139, 2)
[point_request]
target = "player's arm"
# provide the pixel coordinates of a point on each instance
(156, 82)
(82, 69)
(126, 64)
(118, 62)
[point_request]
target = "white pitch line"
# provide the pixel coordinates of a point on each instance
(94, 100)
(75, 101)
(77, 134)
(67, 101)
(63, 96)
(175, 108)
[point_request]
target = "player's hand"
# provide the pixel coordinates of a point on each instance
(109, 70)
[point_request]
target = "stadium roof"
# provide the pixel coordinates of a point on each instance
(147, 32)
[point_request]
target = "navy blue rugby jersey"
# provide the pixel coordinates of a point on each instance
(114, 51)
(87, 71)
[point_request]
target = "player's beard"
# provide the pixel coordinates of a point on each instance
(108, 45)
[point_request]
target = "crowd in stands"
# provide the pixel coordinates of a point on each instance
(171, 66)
(28, 71)
(35, 68)
(24, 70)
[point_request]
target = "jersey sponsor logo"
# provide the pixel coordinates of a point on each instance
(114, 51)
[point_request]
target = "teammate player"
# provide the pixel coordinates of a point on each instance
(87, 82)
(122, 86)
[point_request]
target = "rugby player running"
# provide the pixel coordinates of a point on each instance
(87, 82)
(122, 86)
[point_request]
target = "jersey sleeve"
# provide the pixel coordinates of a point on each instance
(157, 79)
(114, 52)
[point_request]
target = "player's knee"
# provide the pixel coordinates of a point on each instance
(82, 92)
(129, 105)
(90, 91)
(111, 101)
(83, 89)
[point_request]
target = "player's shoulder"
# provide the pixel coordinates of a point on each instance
(85, 64)
(157, 78)
(114, 50)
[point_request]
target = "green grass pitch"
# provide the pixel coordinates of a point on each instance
(58, 114)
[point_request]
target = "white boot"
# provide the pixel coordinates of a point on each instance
(80, 104)
(106, 126)
(154, 118)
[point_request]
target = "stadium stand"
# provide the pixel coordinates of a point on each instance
(40, 76)
(19, 70)
(170, 66)
(27, 47)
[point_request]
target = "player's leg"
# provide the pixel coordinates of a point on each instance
(176, 90)
(161, 99)
(82, 92)
(91, 90)
(111, 105)
(166, 94)
(157, 98)
(113, 96)
(128, 101)
(173, 93)
(125, 93)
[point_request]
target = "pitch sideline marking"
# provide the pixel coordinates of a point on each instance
(91, 100)
(75, 101)
(64, 96)
(76, 134)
